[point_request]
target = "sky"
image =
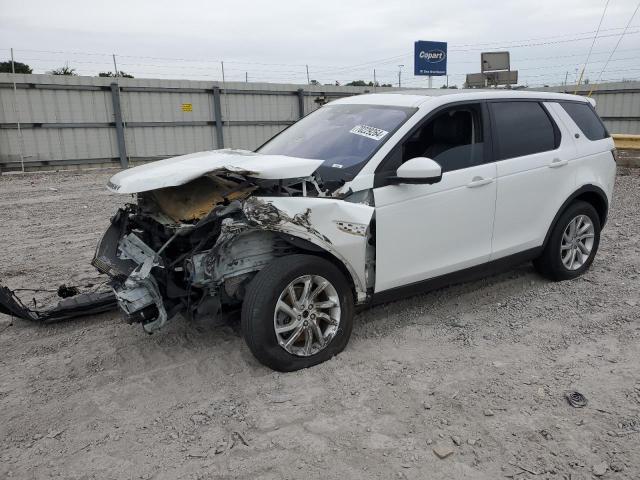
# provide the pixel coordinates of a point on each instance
(339, 40)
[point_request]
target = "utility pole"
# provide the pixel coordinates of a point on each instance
(115, 66)
(222, 67)
(308, 81)
(246, 77)
(375, 82)
(15, 111)
(400, 76)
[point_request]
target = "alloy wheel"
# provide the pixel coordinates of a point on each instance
(577, 242)
(307, 315)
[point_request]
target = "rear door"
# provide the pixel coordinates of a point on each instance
(534, 153)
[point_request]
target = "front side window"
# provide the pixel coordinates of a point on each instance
(452, 137)
(344, 136)
(522, 128)
(587, 120)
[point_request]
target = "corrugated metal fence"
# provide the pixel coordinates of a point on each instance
(52, 121)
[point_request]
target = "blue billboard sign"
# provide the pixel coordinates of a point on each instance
(430, 58)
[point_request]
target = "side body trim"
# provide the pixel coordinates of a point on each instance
(468, 274)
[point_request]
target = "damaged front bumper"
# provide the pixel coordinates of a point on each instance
(77, 306)
(128, 261)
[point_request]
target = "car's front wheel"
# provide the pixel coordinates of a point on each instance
(297, 312)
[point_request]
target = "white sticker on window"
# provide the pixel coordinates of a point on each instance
(337, 165)
(369, 132)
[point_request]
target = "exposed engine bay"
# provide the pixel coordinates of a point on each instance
(192, 248)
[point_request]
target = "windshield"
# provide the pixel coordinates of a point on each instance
(344, 136)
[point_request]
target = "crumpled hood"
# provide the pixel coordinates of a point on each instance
(175, 171)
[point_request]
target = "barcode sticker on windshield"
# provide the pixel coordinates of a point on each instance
(369, 132)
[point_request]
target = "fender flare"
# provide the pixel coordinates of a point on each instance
(589, 188)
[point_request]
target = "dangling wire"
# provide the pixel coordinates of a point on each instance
(591, 49)
(614, 49)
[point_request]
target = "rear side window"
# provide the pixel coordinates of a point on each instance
(522, 128)
(586, 119)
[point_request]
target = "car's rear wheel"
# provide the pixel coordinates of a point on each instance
(573, 243)
(297, 312)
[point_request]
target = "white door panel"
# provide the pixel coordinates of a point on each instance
(527, 200)
(423, 231)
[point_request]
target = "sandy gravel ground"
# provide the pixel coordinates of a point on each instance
(478, 370)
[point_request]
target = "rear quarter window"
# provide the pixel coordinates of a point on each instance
(587, 120)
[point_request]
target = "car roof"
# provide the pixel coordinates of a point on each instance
(415, 98)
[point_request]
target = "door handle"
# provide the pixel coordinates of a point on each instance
(556, 163)
(479, 181)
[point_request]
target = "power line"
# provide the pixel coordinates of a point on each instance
(616, 46)
(538, 38)
(592, 44)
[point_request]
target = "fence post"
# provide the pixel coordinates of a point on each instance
(117, 112)
(217, 111)
(301, 102)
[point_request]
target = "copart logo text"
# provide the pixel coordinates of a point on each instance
(432, 56)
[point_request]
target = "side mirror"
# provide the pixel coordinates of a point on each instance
(419, 170)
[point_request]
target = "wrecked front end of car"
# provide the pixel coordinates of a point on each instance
(193, 239)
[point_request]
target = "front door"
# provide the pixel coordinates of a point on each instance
(424, 231)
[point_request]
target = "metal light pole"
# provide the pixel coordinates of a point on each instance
(400, 76)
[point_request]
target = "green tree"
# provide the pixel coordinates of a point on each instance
(5, 67)
(359, 83)
(362, 83)
(111, 74)
(64, 70)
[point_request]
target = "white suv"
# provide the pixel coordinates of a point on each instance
(368, 198)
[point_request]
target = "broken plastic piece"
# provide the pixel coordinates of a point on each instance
(76, 306)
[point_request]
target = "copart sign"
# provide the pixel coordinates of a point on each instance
(430, 58)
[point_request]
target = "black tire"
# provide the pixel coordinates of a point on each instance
(550, 264)
(260, 302)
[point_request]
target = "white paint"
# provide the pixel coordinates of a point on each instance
(419, 167)
(423, 231)
(175, 171)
